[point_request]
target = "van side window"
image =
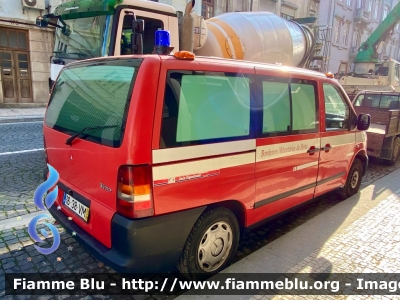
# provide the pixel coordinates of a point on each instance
(304, 108)
(337, 112)
(205, 107)
(276, 107)
(289, 107)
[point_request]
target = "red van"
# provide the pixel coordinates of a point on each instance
(165, 161)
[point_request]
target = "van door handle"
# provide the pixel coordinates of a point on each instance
(312, 150)
(326, 148)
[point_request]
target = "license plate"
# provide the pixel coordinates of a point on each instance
(76, 206)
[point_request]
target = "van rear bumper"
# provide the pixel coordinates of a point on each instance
(138, 246)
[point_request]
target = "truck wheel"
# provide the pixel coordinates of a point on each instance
(353, 181)
(211, 244)
(395, 153)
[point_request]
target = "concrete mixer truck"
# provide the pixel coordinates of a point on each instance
(88, 29)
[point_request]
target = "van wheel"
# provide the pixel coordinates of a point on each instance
(211, 244)
(353, 181)
(395, 153)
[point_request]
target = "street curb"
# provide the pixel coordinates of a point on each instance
(5, 120)
(20, 221)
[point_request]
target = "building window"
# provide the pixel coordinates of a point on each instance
(207, 10)
(388, 48)
(356, 40)
(385, 12)
(376, 10)
(393, 50)
(10, 38)
(346, 33)
(359, 3)
(369, 5)
(348, 2)
(287, 17)
(338, 27)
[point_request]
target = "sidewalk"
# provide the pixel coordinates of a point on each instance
(12, 115)
(358, 235)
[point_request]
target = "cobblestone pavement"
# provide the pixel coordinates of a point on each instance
(21, 136)
(16, 247)
(21, 173)
(369, 245)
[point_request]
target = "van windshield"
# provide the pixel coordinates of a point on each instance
(93, 94)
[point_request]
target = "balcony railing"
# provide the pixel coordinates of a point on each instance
(362, 15)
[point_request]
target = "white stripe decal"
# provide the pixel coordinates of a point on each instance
(311, 164)
(185, 178)
(361, 137)
(190, 152)
(285, 149)
(199, 169)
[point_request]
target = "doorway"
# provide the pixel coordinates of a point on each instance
(15, 68)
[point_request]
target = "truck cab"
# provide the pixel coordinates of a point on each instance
(384, 132)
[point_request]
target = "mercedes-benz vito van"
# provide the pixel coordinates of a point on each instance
(165, 160)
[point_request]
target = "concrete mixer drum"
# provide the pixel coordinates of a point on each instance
(265, 37)
(234, 40)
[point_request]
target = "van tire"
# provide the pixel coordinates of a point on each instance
(219, 219)
(395, 153)
(353, 181)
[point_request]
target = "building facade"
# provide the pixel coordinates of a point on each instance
(350, 23)
(286, 9)
(25, 52)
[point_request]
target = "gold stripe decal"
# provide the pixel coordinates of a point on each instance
(232, 37)
(220, 38)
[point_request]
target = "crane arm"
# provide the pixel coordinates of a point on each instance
(368, 50)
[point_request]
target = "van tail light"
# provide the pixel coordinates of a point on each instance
(134, 198)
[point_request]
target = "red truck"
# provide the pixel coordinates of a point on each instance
(383, 136)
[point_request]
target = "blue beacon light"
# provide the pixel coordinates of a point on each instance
(162, 42)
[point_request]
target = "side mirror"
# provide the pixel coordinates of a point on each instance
(138, 26)
(42, 22)
(363, 122)
(137, 43)
(136, 38)
(66, 30)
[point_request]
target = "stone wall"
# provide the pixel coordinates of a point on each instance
(41, 46)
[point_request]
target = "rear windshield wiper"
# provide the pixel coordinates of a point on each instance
(71, 138)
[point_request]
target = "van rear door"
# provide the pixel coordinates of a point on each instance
(88, 136)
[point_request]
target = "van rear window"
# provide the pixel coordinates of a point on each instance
(93, 94)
